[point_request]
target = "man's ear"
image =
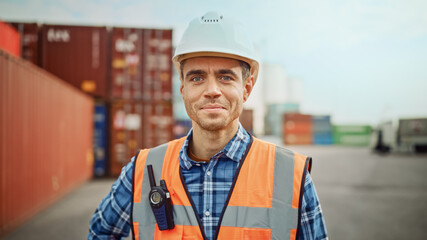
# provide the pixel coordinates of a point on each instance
(248, 86)
(181, 87)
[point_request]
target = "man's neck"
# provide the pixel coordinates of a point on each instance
(205, 144)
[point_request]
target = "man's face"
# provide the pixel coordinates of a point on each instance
(214, 91)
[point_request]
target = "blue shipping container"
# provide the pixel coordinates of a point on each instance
(323, 138)
(322, 124)
(100, 140)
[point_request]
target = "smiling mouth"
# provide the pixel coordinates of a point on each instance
(213, 108)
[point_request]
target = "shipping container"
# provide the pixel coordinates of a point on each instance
(298, 139)
(323, 138)
(137, 125)
(100, 139)
(157, 65)
(77, 54)
(247, 120)
(297, 128)
(126, 63)
(10, 39)
(141, 67)
(158, 123)
(274, 117)
(322, 130)
(30, 44)
(352, 135)
(126, 132)
(46, 140)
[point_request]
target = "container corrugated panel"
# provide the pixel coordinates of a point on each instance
(30, 33)
(100, 139)
(10, 39)
(157, 65)
(46, 140)
(126, 132)
(126, 63)
(274, 117)
(247, 120)
(77, 54)
(158, 123)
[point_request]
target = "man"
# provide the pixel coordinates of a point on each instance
(222, 182)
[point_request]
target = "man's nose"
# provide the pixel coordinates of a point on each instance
(212, 88)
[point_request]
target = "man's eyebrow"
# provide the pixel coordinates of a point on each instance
(195, 72)
(227, 71)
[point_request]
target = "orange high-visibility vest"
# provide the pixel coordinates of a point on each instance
(263, 203)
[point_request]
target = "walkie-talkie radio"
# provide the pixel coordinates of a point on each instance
(160, 201)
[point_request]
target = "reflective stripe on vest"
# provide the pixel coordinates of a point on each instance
(263, 202)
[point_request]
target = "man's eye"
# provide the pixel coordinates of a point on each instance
(196, 79)
(226, 78)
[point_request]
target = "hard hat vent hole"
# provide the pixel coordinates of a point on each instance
(211, 20)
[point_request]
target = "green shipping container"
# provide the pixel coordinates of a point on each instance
(352, 135)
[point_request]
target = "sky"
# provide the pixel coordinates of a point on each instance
(362, 62)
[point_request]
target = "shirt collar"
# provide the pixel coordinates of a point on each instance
(234, 149)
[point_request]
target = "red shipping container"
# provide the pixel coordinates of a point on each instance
(10, 40)
(157, 65)
(126, 66)
(158, 123)
(46, 140)
(137, 125)
(77, 54)
(126, 132)
(30, 33)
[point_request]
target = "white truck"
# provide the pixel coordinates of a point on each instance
(410, 135)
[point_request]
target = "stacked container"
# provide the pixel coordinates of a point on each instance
(30, 44)
(322, 130)
(274, 118)
(100, 139)
(140, 93)
(297, 129)
(352, 135)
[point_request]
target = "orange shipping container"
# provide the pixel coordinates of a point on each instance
(297, 129)
(298, 139)
(46, 140)
(10, 40)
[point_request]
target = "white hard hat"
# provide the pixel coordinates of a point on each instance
(216, 35)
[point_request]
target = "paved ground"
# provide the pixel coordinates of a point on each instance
(363, 196)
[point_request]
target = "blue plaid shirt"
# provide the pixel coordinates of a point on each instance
(208, 184)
